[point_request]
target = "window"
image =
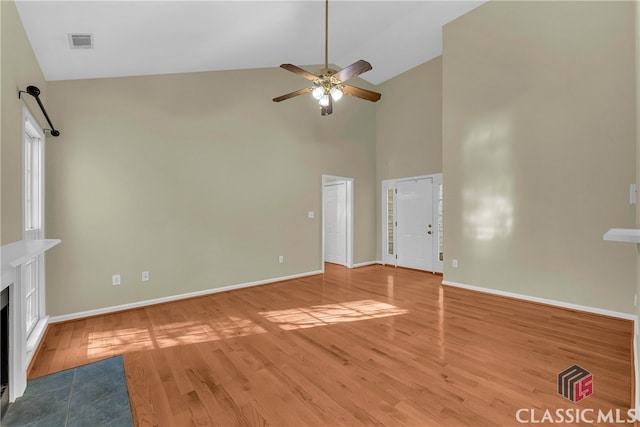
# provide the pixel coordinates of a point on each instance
(390, 221)
(30, 283)
(32, 186)
(33, 215)
(440, 223)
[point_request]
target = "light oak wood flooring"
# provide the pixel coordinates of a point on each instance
(370, 346)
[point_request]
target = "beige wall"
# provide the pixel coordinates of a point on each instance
(19, 70)
(198, 178)
(409, 123)
(195, 176)
(539, 150)
(409, 127)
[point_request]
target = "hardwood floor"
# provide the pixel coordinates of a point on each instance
(370, 346)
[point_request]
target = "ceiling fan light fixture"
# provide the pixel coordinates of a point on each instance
(329, 84)
(324, 101)
(336, 93)
(318, 92)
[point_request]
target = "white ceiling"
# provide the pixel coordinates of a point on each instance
(158, 37)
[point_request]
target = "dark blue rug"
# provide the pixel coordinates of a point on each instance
(90, 395)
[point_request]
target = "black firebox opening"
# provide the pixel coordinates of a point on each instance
(4, 351)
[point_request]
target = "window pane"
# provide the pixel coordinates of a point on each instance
(32, 180)
(30, 283)
(440, 224)
(390, 222)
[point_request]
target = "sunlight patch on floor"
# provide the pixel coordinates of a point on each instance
(173, 334)
(331, 314)
(126, 340)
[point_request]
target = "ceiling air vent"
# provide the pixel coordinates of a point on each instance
(81, 41)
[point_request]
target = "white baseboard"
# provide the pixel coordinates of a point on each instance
(364, 264)
(113, 309)
(36, 337)
(562, 304)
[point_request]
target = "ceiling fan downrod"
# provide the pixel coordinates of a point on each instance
(326, 34)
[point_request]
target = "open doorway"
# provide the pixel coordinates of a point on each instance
(337, 220)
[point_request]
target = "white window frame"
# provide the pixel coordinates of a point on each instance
(33, 225)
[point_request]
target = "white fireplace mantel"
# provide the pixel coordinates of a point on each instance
(17, 253)
(630, 235)
(13, 257)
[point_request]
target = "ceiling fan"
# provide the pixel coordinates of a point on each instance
(329, 85)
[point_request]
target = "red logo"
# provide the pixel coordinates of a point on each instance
(575, 383)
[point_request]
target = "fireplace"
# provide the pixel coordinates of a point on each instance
(17, 348)
(4, 351)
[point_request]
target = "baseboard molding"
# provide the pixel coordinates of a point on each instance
(113, 309)
(364, 264)
(561, 304)
(33, 343)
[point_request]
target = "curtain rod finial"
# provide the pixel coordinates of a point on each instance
(33, 90)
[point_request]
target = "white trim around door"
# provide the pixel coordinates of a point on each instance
(388, 222)
(328, 180)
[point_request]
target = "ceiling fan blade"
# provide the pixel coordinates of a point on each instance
(299, 71)
(353, 70)
(292, 94)
(361, 93)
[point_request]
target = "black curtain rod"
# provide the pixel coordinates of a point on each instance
(35, 92)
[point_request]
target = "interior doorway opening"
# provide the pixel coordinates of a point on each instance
(337, 220)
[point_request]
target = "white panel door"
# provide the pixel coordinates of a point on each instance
(414, 224)
(335, 223)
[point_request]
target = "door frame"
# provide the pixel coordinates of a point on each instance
(333, 179)
(438, 265)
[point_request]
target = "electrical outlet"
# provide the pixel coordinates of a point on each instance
(145, 276)
(454, 263)
(115, 279)
(281, 259)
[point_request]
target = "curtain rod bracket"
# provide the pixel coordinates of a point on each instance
(35, 92)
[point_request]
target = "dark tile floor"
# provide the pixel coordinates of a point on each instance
(90, 395)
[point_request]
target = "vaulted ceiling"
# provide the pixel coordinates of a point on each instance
(157, 37)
